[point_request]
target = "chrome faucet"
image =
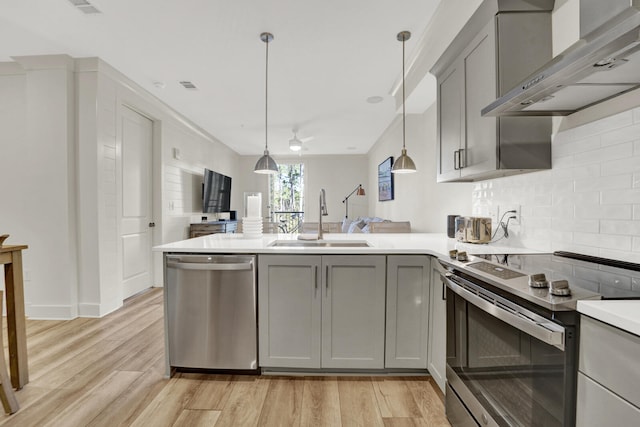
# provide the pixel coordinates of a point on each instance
(323, 212)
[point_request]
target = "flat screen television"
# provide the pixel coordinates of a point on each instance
(216, 192)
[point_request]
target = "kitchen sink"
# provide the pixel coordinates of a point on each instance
(319, 244)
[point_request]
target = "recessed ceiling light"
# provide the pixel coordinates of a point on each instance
(374, 99)
(351, 147)
(159, 85)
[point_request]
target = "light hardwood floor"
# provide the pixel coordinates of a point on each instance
(109, 372)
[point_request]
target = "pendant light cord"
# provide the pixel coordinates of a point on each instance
(403, 107)
(266, 93)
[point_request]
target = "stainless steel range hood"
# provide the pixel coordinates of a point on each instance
(604, 63)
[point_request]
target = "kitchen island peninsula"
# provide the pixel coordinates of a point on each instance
(346, 303)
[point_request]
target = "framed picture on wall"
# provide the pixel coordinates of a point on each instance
(385, 180)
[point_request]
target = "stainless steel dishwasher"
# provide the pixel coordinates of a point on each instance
(211, 311)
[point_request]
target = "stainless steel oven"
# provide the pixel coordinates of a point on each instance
(509, 365)
(512, 333)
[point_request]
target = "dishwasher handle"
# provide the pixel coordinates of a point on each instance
(210, 266)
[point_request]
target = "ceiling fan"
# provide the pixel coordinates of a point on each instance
(295, 143)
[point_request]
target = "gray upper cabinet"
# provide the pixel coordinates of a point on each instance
(502, 43)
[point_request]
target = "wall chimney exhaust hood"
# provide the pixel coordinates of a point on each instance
(604, 63)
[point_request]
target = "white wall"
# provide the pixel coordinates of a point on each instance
(418, 198)
(37, 171)
(58, 165)
(338, 175)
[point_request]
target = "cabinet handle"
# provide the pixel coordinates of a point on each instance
(327, 281)
(457, 159)
(462, 158)
(316, 277)
(444, 291)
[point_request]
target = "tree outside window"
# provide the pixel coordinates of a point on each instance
(286, 197)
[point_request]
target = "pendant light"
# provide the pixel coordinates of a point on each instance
(266, 164)
(403, 164)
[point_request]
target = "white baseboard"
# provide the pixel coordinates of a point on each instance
(97, 310)
(51, 312)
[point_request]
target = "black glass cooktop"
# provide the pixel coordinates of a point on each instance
(610, 278)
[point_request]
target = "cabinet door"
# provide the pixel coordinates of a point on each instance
(407, 311)
(480, 90)
(437, 355)
(450, 121)
(353, 308)
(289, 295)
(597, 406)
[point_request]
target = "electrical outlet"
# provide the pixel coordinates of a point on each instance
(506, 208)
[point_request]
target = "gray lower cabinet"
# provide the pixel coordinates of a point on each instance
(437, 354)
(407, 331)
(608, 376)
(321, 311)
(289, 301)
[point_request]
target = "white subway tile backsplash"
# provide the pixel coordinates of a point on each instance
(630, 196)
(600, 126)
(589, 202)
(603, 183)
(629, 133)
(562, 162)
(567, 148)
(580, 199)
(613, 152)
(626, 165)
(586, 171)
(604, 241)
(604, 212)
(620, 227)
(572, 224)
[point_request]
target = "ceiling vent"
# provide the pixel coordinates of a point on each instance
(84, 6)
(188, 85)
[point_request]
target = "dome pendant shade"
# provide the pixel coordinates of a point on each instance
(403, 164)
(266, 164)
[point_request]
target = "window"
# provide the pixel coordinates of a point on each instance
(286, 197)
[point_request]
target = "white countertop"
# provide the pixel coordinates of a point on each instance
(623, 314)
(402, 243)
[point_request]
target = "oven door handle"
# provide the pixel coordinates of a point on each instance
(545, 331)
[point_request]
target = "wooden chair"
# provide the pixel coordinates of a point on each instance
(7, 395)
(390, 227)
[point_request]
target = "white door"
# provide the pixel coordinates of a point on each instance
(136, 209)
